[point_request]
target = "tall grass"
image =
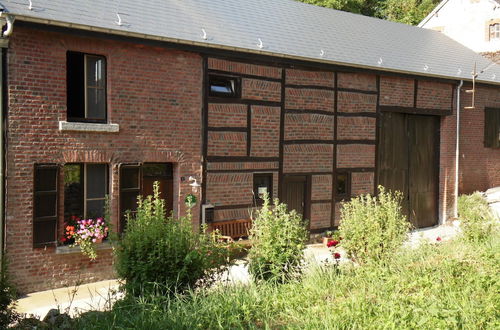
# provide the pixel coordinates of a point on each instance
(438, 286)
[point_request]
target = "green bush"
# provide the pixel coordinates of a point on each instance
(477, 220)
(373, 227)
(278, 240)
(165, 255)
(7, 298)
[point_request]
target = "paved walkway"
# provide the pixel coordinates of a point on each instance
(100, 295)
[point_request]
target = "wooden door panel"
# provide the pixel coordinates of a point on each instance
(422, 169)
(294, 193)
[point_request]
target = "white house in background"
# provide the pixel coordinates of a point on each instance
(473, 23)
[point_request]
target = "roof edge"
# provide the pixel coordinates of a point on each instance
(36, 20)
(432, 13)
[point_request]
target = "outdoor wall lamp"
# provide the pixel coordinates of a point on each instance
(194, 184)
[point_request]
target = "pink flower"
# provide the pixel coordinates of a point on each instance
(336, 255)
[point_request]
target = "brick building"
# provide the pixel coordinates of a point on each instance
(103, 100)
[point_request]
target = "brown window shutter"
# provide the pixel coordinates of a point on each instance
(45, 205)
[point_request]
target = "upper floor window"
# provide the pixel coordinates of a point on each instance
(223, 86)
(86, 87)
(495, 31)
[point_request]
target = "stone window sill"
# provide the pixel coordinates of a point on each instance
(65, 249)
(88, 127)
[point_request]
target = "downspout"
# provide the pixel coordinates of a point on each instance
(457, 153)
(4, 43)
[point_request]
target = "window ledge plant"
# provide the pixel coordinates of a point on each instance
(85, 233)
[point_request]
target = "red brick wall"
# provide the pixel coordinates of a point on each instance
(160, 121)
(265, 134)
(480, 166)
(397, 91)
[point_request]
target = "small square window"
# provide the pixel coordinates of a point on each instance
(495, 31)
(223, 86)
(86, 87)
(342, 185)
(262, 184)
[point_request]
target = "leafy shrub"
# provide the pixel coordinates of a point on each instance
(373, 227)
(477, 220)
(278, 240)
(7, 298)
(165, 255)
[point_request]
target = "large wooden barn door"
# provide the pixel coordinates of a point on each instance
(408, 162)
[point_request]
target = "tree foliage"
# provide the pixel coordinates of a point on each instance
(403, 11)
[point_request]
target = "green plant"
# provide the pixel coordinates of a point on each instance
(477, 220)
(7, 297)
(373, 227)
(165, 255)
(278, 240)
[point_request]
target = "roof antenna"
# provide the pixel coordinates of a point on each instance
(30, 7)
(260, 45)
(473, 90)
(119, 23)
(204, 36)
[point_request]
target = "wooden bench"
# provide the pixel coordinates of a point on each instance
(233, 228)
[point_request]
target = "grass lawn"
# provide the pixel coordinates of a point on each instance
(447, 285)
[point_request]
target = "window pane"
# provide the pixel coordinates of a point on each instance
(341, 184)
(75, 85)
(73, 190)
(45, 205)
(157, 170)
(128, 201)
(262, 184)
(96, 103)
(46, 179)
(222, 86)
(44, 232)
(96, 181)
(95, 71)
(95, 208)
(129, 177)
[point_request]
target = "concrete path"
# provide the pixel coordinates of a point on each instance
(101, 295)
(92, 296)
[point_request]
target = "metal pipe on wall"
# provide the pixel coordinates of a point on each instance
(457, 153)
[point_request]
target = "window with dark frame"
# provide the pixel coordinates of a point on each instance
(224, 86)
(262, 183)
(491, 128)
(342, 183)
(86, 88)
(85, 190)
(45, 206)
(138, 179)
(495, 31)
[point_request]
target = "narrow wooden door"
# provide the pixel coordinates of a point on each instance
(423, 165)
(294, 193)
(407, 162)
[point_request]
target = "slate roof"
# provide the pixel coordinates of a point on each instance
(286, 28)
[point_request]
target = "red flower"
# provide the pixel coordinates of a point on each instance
(336, 255)
(438, 239)
(332, 243)
(63, 239)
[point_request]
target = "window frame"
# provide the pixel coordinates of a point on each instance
(86, 119)
(494, 31)
(237, 86)
(257, 200)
